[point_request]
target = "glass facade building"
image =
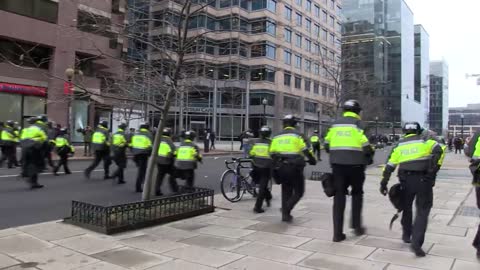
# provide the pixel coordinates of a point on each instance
(439, 100)
(379, 60)
(422, 71)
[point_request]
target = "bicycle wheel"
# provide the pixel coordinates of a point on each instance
(231, 186)
(250, 186)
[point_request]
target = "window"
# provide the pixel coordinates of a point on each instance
(338, 27)
(227, 48)
(332, 38)
(308, 24)
(316, 48)
(324, 52)
(244, 4)
(338, 10)
(272, 5)
(225, 3)
(324, 34)
(211, 23)
(332, 4)
(96, 24)
(316, 85)
(263, 49)
(45, 10)
(316, 69)
(298, 19)
(288, 13)
(308, 45)
(264, 26)
(287, 57)
(332, 56)
(225, 24)
(310, 107)
(262, 74)
(308, 65)
(332, 21)
(291, 103)
(316, 30)
(316, 11)
(288, 35)
(298, 61)
(264, 4)
(307, 89)
(271, 28)
(324, 90)
(298, 40)
(287, 79)
(308, 5)
(298, 2)
(228, 72)
(298, 82)
(331, 93)
(324, 16)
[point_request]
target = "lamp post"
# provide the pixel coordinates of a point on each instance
(462, 117)
(376, 127)
(264, 103)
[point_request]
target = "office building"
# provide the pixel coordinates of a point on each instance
(255, 50)
(379, 60)
(422, 72)
(466, 118)
(39, 41)
(439, 99)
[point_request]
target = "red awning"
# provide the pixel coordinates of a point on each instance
(22, 89)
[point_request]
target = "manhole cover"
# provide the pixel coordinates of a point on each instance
(469, 211)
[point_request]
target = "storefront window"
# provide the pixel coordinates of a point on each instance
(80, 119)
(33, 106)
(10, 107)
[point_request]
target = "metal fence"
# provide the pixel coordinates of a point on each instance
(130, 216)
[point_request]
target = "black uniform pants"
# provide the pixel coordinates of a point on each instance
(87, 148)
(345, 176)
(9, 155)
(99, 156)
(188, 176)
(164, 169)
(476, 241)
(62, 162)
(141, 160)
(316, 150)
(120, 159)
(420, 190)
(262, 177)
(293, 186)
(48, 155)
(32, 163)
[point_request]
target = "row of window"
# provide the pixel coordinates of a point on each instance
(250, 5)
(327, 19)
(308, 84)
(325, 36)
(293, 104)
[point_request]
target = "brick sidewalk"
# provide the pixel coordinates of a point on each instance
(238, 239)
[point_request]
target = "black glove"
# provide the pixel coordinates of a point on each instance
(384, 187)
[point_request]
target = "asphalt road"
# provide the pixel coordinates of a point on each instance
(21, 206)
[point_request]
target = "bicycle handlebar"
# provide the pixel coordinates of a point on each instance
(238, 161)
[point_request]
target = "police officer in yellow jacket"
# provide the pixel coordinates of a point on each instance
(350, 153)
(63, 149)
(417, 160)
(9, 139)
(101, 146)
(119, 147)
(262, 167)
(186, 157)
(141, 144)
(33, 141)
(474, 154)
(289, 149)
(165, 160)
(315, 142)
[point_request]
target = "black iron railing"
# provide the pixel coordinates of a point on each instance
(130, 216)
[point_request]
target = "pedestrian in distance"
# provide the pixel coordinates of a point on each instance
(262, 167)
(119, 151)
(288, 150)
(101, 147)
(187, 156)
(458, 143)
(33, 141)
(63, 149)
(9, 140)
(417, 159)
(474, 155)
(141, 145)
(165, 163)
(212, 140)
(350, 153)
(87, 141)
(315, 142)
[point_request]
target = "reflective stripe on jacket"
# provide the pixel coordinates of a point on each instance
(260, 153)
(8, 135)
(315, 139)
(187, 155)
(100, 139)
(166, 151)
(291, 146)
(119, 142)
(347, 142)
(33, 135)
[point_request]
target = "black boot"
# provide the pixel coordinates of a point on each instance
(419, 252)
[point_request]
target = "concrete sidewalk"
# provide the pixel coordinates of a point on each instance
(237, 239)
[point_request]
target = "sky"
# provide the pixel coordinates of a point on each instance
(454, 29)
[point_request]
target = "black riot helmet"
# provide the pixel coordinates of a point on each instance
(167, 132)
(122, 126)
(10, 123)
(190, 135)
(396, 195)
(412, 128)
(63, 131)
(32, 120)
(265, 132)
(144, 126)
(352, 105)
(104, 124)
(43, 118)
(289, 121)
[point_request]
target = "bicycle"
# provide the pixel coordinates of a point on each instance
(233, 184)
